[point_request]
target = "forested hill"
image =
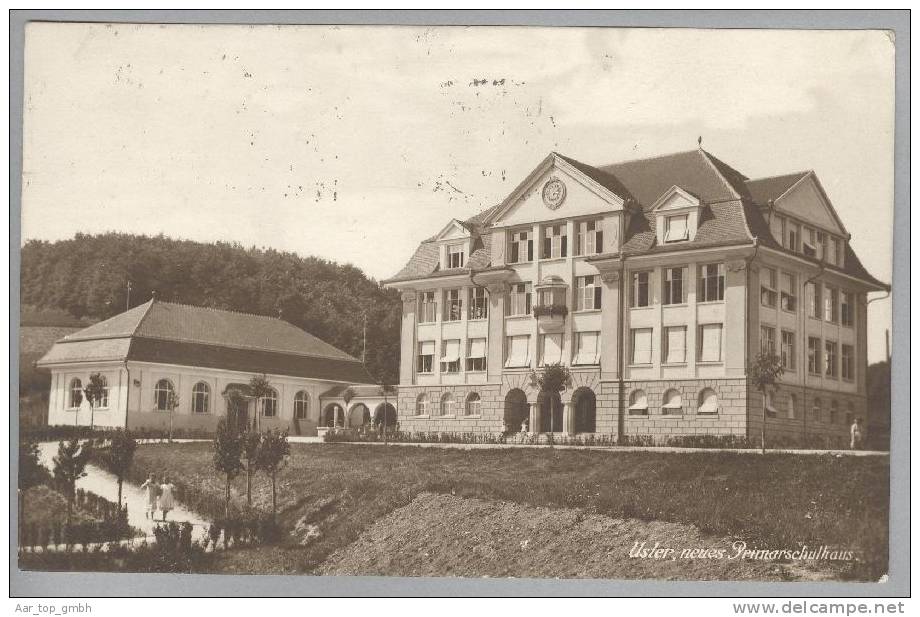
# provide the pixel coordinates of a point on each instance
(88, 276)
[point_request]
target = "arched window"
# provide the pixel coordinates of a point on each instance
(421, 405)
(708, 402)
(473, 404)
(816, 410)
(448, 403)
(163, 394)
(269, 404)
(104, 396)
(76, 393)
(671, 402)
(638, 403)
(301, 405)
(201, 398)
(793, 403)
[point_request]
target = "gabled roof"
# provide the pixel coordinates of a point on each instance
(765, 190)
(198, 336)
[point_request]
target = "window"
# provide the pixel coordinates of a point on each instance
(768, 287)
(787, 292)
(473, 404)
(813, 300)
(787, 350)
(450, 356)
(671, 402)
(550, 296)
(846, 309)
(708, 402)
(476, 354)
(269, 404)
(425, 362)
(710, 342)
(814, 355)
(428, 308)
(550, 348)
(675, 345)
(448, 404)
(816, 410)
(587, 293)
(518, 348)
(453, 305)
(809, 245)
(821, 245)
(638, 403)
(641, 339)
(455, 255)
(792, 402)
(555, 241)
(301, 405)
(833, 253)
(846, 362)
(711, 286)
(201, 398)
(768, 340)
(589, 237)
(479, 303)
(587, 348)
(835, 408)
(777, 227)
(830, 359)
(830, 304)
(793, 233)
(520, 299)
(422, 405)
(674, 290)
(639, 289)
(163, 395)
(676, 229)
(104, 395)
(76, 393)
(850, 414)
(521, 249)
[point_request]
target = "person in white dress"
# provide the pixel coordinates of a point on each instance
(167, 500)
(151, 492)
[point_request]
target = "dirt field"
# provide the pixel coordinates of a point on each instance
(445, 535)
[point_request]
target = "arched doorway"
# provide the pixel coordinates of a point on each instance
(550, 406)
(385, 410)
(359, 415)
(585, 405)
(517, 410)
(236, 397)
(333, 415)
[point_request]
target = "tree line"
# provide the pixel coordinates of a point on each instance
(88, 276)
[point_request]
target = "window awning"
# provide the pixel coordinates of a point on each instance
(477, 348)
(450, 351)
(518, 351)
(552, 348)
(426, 348)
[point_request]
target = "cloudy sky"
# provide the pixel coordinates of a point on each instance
(355, 143)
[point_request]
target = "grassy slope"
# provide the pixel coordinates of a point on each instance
(775, 501)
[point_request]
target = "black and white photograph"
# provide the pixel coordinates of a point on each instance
(465, 302)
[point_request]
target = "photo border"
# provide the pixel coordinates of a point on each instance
(85, 585)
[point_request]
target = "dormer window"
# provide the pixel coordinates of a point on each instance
(676, 228)
(455, 255)
(809, 243)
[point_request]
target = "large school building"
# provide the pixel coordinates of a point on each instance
(657, 282)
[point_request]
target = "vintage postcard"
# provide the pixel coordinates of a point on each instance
(530, 302)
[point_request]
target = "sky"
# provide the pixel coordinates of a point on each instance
(356, 143)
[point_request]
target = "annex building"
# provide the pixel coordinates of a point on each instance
(657, 281)
(160, 352)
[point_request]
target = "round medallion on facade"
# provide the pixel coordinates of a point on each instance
(553, 193)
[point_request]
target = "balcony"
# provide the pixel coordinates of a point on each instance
(550, 310)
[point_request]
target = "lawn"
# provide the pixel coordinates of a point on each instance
(330, 493)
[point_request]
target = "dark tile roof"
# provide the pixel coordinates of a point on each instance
(730, 216)
(764, 190)
(198, 336)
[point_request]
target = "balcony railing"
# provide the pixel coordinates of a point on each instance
(550, 310)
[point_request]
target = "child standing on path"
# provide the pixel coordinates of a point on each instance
(151, 492)
(166, 496)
